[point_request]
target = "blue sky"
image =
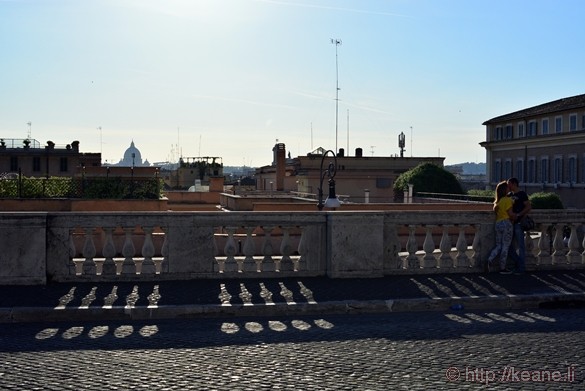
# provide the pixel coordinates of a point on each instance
(229, 77)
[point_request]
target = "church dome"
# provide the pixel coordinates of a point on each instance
(132, 156)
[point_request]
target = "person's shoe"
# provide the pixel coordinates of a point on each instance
(506, 271)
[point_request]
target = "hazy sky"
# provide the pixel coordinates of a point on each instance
(229, 77)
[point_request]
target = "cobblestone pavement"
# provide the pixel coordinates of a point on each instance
(536, 349)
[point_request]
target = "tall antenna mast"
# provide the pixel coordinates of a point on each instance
(411, 141)
(336, 42)
(29, 129)
(347, 132)
(178, 144)
(311, 137)
(101, 143)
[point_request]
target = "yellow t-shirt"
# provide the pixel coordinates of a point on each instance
(502, 211)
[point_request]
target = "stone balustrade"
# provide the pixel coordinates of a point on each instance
(137, 246)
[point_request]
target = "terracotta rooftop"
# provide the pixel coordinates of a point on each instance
(573, 102)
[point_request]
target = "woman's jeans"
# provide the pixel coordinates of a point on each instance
(504, 236)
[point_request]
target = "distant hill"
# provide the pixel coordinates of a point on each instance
(468, 168)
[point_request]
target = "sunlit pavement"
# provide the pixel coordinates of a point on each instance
(454, 349)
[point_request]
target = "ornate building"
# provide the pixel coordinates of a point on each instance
(543, 146)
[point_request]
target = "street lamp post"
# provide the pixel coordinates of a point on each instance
(332, 201)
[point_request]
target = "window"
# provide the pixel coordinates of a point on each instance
(36, 164)
(558, 170)
(63, 165)
(531, 171)
(545, 126)
(509, 131)
(532, 128)
(573, 122)
(544, 170)
(498, 133)
(583, 122)
(583, 169)
(520, 170)
(520, 129)
(13, 164)
(572, 169)
(497, 176)
(383, 183)
(558, 124)
(507, 169)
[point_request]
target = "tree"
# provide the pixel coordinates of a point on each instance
(428, 178)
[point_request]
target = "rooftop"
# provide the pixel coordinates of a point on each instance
(573, 102)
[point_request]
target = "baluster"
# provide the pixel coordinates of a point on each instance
(446, 260)
(476, 246)
(147, 253)
(574, 256)
(558, 245)
(429, 259)
(89, 252)
(250, 249)
(267, 249)
(303, 249)
(230, 249)
(461, 245)
(164, 251)
(286, 248)
(529, 258)
(109, 251)
(128, 252)
(583, 253)
(544, 257)
(77, 262)
(412, 247)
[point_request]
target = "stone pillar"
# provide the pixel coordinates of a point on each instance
(23, 243)
(355, 245)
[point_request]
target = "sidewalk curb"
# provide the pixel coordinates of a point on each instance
(499, 302)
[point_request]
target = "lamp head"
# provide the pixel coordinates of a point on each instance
(332, 201)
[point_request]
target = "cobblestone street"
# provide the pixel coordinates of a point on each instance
(430, 350)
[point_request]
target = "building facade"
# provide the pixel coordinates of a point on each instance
(358, 178)
(543, 146)
(29, 158)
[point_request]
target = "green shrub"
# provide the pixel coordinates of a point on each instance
(428, 178)
(543, 200)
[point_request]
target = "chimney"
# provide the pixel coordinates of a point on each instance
(358, 152)
(279, 157)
